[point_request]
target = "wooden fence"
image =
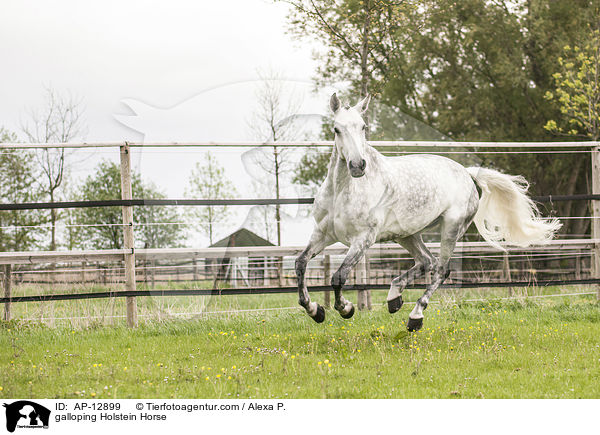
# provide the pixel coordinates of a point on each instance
(129, 254)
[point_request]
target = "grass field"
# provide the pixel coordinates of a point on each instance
(549, 348)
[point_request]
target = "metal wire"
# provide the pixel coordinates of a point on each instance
(295, 308)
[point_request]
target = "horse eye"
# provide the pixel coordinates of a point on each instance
(365, 127)
(336, 130)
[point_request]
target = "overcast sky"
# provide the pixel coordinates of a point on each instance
(161, 53)
(149, 70)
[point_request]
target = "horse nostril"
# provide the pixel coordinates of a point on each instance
(360, 166)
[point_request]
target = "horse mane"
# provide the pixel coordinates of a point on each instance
(333, 158)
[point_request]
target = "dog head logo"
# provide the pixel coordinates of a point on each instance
(26, 414)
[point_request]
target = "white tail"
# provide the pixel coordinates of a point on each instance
(507, 213)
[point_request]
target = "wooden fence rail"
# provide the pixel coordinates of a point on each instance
(129, 254)
(108, 255)
(307, 144)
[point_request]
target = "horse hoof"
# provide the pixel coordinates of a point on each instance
(395, 304)
(319, 317)
(414, 325)
(350, 313)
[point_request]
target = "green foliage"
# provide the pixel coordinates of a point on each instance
(18, 184)
(105, 184)
(351, 31)
(577, 90)
(472, 70)
(312, 169)
(208, 181)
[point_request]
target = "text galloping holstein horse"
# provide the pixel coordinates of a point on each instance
(368, 198)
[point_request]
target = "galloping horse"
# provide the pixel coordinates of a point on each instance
(368, 198)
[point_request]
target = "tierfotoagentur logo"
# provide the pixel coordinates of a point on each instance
(25, 414)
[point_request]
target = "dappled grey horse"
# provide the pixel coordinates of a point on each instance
(368, 198)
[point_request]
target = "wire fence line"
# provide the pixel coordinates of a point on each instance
(280, 290)
(294, 308)
(303, 144)
(233, 151)
(128, 255)
(319, 150)
(152, 224)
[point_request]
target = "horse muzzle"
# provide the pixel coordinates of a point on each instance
(357, 170)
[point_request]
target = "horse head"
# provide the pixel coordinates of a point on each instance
(350, 133)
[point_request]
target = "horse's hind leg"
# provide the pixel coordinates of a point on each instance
(452, 229)
(424, 262)
(318, 242)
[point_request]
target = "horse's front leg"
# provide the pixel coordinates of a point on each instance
(318, 242)
(355, 253)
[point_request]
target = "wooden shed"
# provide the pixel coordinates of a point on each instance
(251, 271)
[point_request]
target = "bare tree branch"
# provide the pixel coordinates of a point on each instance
(60, 121)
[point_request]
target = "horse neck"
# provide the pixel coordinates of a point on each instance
(337, 166)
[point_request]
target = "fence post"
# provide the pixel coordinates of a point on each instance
(361, 272)
(506, 272)
(368, 279)
(7, 284)
(128, 235)
(266, 272)
(327, 280)
(153, 273)
(195, 271)
(83, 275)
(596, 215)
(145, 264)
(280, 271)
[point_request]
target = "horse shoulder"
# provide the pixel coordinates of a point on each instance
(323, 200)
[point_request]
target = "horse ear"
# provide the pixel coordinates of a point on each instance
(363, 104)
(334, 103)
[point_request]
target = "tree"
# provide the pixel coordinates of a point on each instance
(360, 37)
(312, 169)
(274, 121)
(208, 181)
(19, 230)
(577, 95)
(155, 235)
(473, 70)
(60, 121)
(74, 233)
(101, 227)
(577, 90)
(261, 218)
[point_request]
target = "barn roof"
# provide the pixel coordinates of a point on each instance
(240, 238)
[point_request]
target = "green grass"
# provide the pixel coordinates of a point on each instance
(498, 349)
